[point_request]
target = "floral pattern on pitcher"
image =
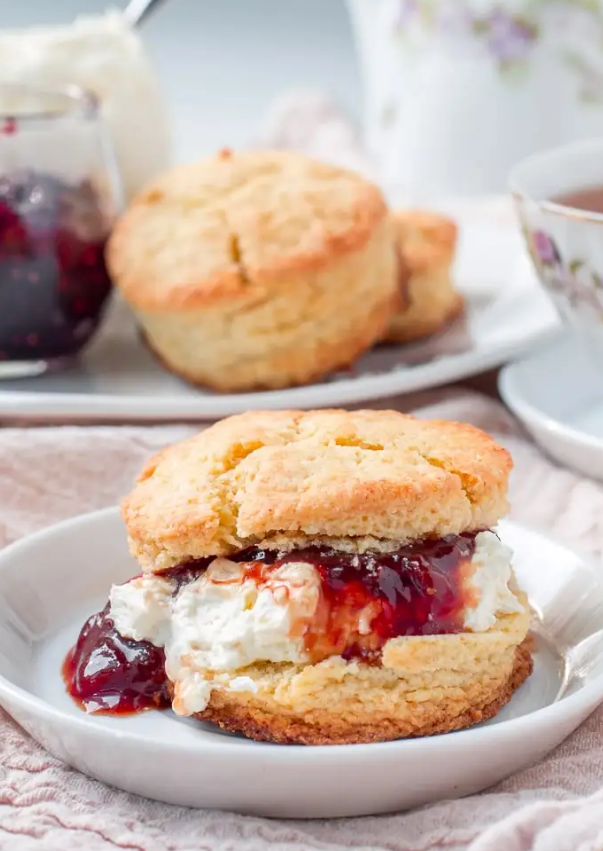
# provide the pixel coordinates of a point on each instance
(509, 38)
(573, 280)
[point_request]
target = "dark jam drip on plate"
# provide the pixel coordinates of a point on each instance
(53, 280)
(415, 590)
(105, 672)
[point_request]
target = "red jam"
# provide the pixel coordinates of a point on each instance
(415, 590)
(105, 672)
(53, 280)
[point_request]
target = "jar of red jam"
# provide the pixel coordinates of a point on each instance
(59, 196)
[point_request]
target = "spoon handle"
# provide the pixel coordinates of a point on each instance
(137, 11)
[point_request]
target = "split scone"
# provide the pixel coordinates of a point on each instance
(257, 269)
(326, 577)
(426, 244)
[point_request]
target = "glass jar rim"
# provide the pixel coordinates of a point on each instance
(70, 101)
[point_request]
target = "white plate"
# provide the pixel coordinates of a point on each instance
(118, 379)
(52, 581)
(557, 393)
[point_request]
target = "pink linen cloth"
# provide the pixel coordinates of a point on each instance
(48, 474)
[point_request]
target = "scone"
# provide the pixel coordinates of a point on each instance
(320, 578)
(426, 243)
(258, 269)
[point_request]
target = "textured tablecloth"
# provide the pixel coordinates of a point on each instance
(48, 474)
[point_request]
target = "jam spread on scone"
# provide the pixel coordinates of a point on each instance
(368, 598)
(107, 673)
(365, 600)
(319, 577)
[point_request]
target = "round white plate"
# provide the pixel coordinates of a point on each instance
(50, 582)
(557, 393)
(118, 379)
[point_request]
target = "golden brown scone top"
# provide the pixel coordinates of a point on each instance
(237, 222)
(426, 239)
(285, 477)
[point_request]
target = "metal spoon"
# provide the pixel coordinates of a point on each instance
(138, 11)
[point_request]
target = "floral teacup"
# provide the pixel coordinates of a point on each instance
(565, 242)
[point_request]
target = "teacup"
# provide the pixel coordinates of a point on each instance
(559, 199)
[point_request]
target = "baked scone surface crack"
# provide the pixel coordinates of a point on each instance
(318, 578)
(288, 477)
(257, 269)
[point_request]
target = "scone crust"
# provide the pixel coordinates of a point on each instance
(426, 686)
(259, 724)
(235, 226)
(414, 324)
(427, 239)
(357, 478)
(257, 270)
(285, 366)
(312, 323)
(426, 242)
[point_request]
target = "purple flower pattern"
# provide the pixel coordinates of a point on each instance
(544, 248)
(507, 38)
(406, 12)
(571, 281)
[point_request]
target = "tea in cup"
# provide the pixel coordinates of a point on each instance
(558, 195)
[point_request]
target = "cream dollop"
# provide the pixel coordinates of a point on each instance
(489, 583)
(101, 53)
(222, 622)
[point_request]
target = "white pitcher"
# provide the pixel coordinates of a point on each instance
(456, 91)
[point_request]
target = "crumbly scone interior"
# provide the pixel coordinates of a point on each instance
(363, 705)
(412, 669)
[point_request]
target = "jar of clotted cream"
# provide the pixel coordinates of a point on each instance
(104, 55)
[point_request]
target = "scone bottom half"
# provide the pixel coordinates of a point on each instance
(291, 631)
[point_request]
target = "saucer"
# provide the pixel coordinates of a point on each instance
(557, 393)
(51, 581)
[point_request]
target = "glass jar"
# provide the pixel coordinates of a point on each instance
(100, 53)
(59, 196)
